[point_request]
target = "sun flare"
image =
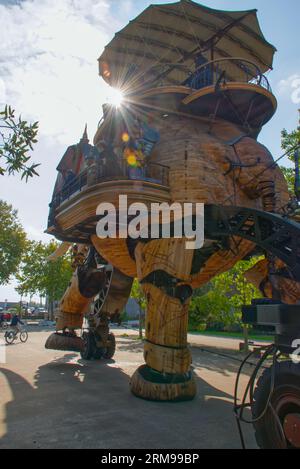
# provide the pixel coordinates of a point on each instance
(115, 97)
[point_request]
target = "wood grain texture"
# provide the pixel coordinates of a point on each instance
(166, 323)
(72, 307)
(146, 389)
(83, 205)
(66, 320)
(168, 255)
(199, 153)
(167, 360)
(166, 319)
(115, 251)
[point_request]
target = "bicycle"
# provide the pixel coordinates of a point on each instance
(11, 335)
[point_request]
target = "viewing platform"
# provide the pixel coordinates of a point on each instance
(233, 89)
(73, 209)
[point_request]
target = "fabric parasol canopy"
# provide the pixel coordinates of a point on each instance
(161, 44)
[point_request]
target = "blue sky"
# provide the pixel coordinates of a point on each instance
(48, 56)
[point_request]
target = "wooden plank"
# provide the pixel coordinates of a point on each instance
(72, 307)
(168, 255)
(115, 252)
(167, 360)
(166, 318)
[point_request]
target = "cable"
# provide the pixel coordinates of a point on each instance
(239, 408)
(250, 386)
(225, 356)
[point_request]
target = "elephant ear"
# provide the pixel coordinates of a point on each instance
(60, 251)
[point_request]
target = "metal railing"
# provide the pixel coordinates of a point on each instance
(227, 70)
(76, 185)
(151, 172)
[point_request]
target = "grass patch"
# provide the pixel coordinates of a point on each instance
(235, 335)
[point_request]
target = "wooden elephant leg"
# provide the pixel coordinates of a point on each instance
(86, 282)
(72, 307)
(164, 268)
(69, 318)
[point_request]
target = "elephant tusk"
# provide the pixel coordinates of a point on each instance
(60, 251)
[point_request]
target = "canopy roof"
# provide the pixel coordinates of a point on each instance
(160, 45)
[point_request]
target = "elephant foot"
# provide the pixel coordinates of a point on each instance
(67, 342)
(152, 385)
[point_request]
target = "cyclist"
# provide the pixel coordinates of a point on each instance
(15, 323)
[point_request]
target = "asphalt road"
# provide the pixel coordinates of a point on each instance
(51, 399)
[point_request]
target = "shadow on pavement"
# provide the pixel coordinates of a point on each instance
(79, 404)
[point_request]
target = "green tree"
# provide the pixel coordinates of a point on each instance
(200, 307)
(12, 242)
(17, 138)
(214, 306)
(138, 295)
(289, 142)
(29, 275)
(38, 275)
(289, 174)
(242, 292)
(223, 302)
(245, 293)
(57, 275)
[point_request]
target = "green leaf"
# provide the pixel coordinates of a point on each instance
(16, 142)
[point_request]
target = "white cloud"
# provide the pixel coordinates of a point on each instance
(36, 234)
(49, 52)
(291, 87)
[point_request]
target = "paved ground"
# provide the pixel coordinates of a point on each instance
(52, 399)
